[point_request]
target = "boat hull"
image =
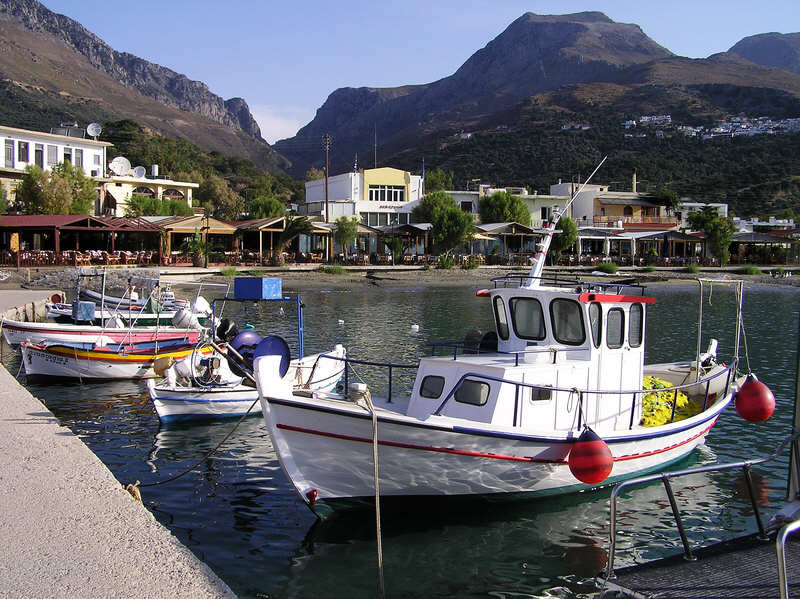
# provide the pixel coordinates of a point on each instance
(174, 403)
(71, 362)
(15, 332)
(326, 448)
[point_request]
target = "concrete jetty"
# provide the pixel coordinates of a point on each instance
(67, 527)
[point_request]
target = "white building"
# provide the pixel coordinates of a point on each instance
(378, 196)
(686, 208)
(117, 190)
(22, 148)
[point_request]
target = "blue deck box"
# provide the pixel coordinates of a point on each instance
(257, 288)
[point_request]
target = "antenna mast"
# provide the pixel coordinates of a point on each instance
(544, 245)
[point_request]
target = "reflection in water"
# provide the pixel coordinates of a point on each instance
(237, 511)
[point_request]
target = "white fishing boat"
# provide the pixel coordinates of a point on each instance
(126, 361)
(131, 299)
(553, 402)
(212, 390)
(17, 331)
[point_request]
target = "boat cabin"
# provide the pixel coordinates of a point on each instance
(556, 348)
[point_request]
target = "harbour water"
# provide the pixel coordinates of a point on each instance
(237, 512)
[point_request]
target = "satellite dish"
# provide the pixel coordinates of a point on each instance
(139, 172)
(120, 166)
(94, 129)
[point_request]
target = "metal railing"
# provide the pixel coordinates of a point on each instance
(780, 543)
(348, 362)
(665, 478)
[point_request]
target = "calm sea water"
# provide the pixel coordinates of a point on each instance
(238, 513)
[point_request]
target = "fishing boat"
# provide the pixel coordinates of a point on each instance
(208, 388)
(148, 315)
(17, 331)
(131, 299)
(553, 401)
(115, 361)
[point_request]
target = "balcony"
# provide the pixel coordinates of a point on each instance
(628, 221)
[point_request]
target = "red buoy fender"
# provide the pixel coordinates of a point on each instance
(590, 459)
(754, 400)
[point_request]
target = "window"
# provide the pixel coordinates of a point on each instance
(22, 151)
(466, 207)
(52, 155)
(38, 155)
(596, 323)
(68, 155)
(373, 219)
(500, 318)
(403, 218)
(143, 191)
(79, 158)
(567, 320)
(431, 387)
(97, 159)
(637, 320)
(473, 392)
(545, 213)
(9, 163)
(615, 328)
(387, 193)
(527, 317)
(383, 219)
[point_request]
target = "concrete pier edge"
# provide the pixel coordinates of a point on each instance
(68, 528)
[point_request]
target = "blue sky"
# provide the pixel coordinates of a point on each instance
(285, 58)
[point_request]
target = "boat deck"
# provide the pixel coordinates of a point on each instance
(744, 568)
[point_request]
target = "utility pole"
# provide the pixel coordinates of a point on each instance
(326, 143)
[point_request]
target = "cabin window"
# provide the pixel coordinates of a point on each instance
(567, 320)
(473, 392)
(431, 387)
(635, 325)
(615, 328)
(500, 318)
(527, 317)
(596, 323)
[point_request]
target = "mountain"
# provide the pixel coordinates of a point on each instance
(585, 58)
(52, 69)
(777, 50)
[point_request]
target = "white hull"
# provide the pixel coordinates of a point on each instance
(178, 403)
(325, 445)
(16, 332)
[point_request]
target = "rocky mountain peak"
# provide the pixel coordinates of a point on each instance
(776, 50)
(152, 80)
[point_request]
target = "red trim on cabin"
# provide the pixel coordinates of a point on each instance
(615, 299)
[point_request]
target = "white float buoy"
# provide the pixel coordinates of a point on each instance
(414, 328)
(341, 322)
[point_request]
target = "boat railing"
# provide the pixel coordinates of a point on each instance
(616, 287)
(549, 391)
(780, 548)
(666, 477)
(389, 366)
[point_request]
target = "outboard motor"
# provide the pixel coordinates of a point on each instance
(226, 330)
(201, 306)
(184, 319)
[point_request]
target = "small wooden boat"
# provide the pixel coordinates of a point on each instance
(212, 390)
(16, 331)
(118, 361)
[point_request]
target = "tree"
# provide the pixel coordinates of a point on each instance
(82, 188)
(265, 207)
(144, 205)
(346, 232)
(502, 207)
(665, 197)
(451, 227)
(718, 231)
(3, 198)
(293, 226)
(30, 192)
(438, 180)
(313, 174)
(565, 239)
(215, 195)
(429, 205)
